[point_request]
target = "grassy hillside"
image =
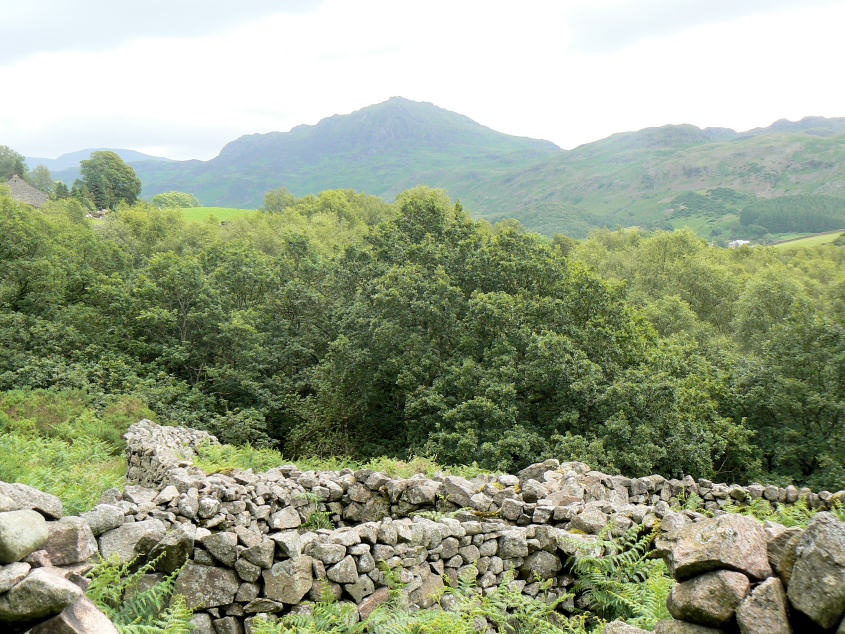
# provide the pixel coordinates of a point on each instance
(620, 182)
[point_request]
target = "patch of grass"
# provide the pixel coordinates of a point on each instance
(77, 471)
(202, 214)
(68, 414)
(45, 408)
(58, 442)
(810, 241)
(213, 458)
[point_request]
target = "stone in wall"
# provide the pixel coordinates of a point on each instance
(817, 582)
(732, 542)
(21, 532)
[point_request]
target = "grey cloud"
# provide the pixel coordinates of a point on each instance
(34, 26)
(607, 27)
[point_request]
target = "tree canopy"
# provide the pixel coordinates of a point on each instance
(339, 324)
(175, 200)
(11, 163)
(107, 180)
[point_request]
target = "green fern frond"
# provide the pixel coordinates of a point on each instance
(114, 589)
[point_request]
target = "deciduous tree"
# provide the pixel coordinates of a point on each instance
(109, 180)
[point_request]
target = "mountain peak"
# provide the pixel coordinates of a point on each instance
(395, 125)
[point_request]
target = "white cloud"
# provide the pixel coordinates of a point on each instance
(518, 70)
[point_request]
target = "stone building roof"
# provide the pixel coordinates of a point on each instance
(26, 193)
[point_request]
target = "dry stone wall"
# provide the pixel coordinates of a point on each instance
(252, 547)
(734, 573)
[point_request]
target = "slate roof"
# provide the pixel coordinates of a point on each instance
(26, 193)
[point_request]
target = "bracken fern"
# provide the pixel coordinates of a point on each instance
(620, 578)
(115, 590)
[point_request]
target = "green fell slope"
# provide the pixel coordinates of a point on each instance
(383, 149)
(634, 179)
(627, 179)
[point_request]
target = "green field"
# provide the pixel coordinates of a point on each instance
(810, 241)
(201, 214)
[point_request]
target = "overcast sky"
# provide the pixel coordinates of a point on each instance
(180, 78)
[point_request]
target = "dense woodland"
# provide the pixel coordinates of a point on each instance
(339, 324)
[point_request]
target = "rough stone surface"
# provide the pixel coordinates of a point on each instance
(777, 537)
(260, 554)
(223, 546)
(174, 549)
(103, 517)
(590, 522)
(70, 541)
(206, 586)
(201, 624)
(787, 559)
(123, 541)
(8, 504)
(667, 626)
(541, 563)
(734, 542)
(458, 490)
(360, 589)
(286, 518)
(817, 584)
(376, 599)
(27, 497)
(81, 617)
(288, 581)
(41, 594)
(288, 544)
(620, 627)
(429, 590)
(21, 532)
(708, 599)
(328, 553)
(228, 625)
(345, 571)
(11, 574)
(764, 611)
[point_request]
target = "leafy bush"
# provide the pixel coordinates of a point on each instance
(175, 199)
(340, 325)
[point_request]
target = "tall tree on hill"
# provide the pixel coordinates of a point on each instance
(60, 191)
(40, 178)
(109, 180)
(11, 163)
